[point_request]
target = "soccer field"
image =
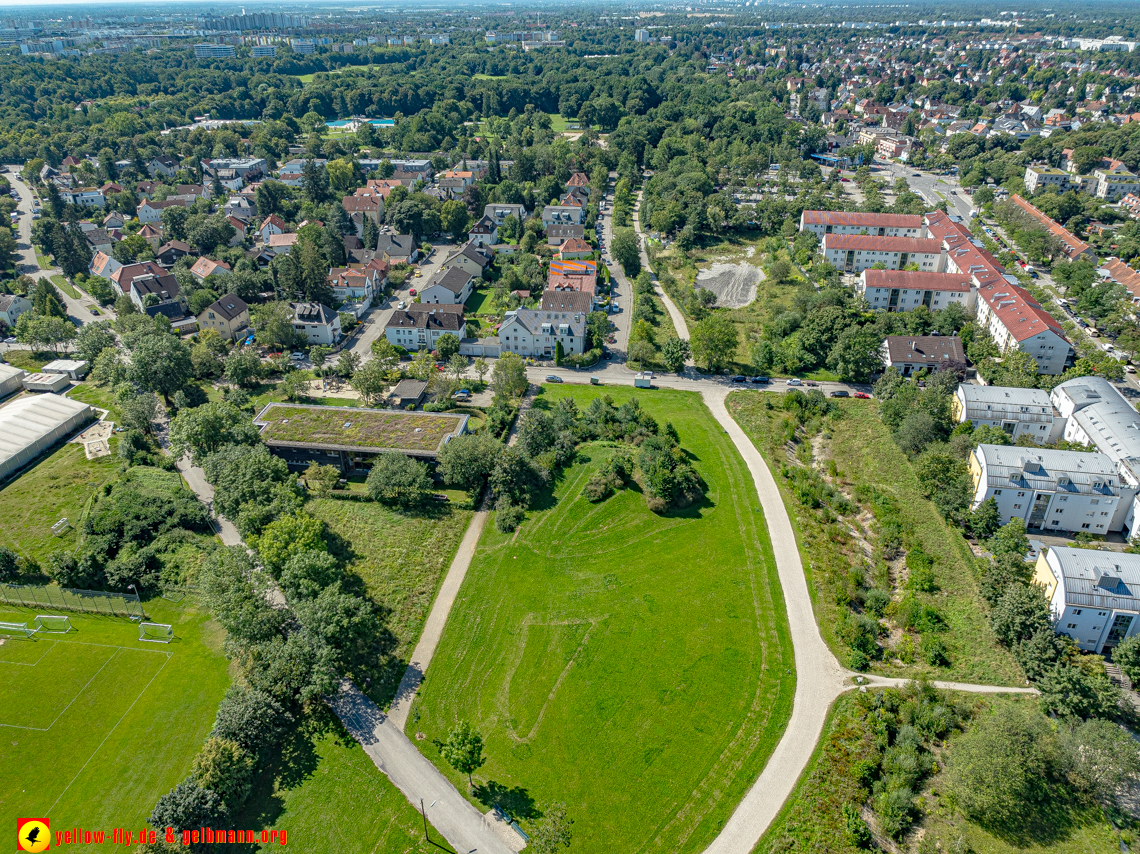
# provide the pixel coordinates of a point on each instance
(95, 724)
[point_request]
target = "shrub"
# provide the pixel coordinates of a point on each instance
(934, 651)
(875, 602)
(508, 516)
(250, 718)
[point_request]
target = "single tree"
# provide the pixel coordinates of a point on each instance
(320, 480)
(398, 480)
(447, 345)
(370, 380)
(674, 353)
(713, 341)
(508, 377)
(463, 750)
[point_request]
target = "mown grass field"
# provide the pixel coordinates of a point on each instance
(866, 455)
(57, 486)
(96, 724)
(322, 772)
(812, 818)
(637, 667)
(401, 560)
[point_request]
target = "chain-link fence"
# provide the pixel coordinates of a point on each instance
(65, 599)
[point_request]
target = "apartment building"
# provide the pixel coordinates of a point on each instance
(1094, 595)
(1052, 491)
(854, 253)
(417, 330)
(1014, 319)
(1017, 411)
(1116, 183)
(537, 333)
(1046, 176)
(822, 223)
(904, 290)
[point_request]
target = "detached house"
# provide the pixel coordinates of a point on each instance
(471, 258)
(205, 267)
(453, 286)
(316, 323)
(229, 317)
(484, 233)
(270, 226)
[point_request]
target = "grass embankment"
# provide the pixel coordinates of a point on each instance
(866, 460)
(812, 819)
(637, 667)
(58, 486)
(401, 560)
(28, 360)
(100, 724)
(65, 286)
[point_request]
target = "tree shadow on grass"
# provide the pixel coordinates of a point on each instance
(515, 802)
(1053, 820)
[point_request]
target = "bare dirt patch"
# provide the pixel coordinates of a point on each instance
(734, 284)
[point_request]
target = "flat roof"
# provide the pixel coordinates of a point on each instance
(346, 428)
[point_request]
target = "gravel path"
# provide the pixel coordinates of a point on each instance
(437, 619)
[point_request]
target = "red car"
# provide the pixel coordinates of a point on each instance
(862, 395)
(412, 291)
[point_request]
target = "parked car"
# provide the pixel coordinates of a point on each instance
(11, 340)
(841, 393)
(758, 380)
(1128, 369)
(412, 291)
(551, 378)
(401, 304)
(862, 395)
(793, 381)
(811, 383)
(297, 357)
(736, 378)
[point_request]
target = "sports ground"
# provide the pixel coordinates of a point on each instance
(95, 724)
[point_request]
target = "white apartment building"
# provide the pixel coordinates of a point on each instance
(1017, 411)
(422, 329)
(1094, 595)
(1052, 491)
(903, 290)
(822, 223)
(854, 253)
(1114, 184)
(533, 332)
(1015, 320)
(1046, 176)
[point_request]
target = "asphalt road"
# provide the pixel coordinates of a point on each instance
(78, 310)
(376, 319)
(930, 187)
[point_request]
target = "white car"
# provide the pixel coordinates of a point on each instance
(297, 357)
(11, 340)
(793, 381)
(401, 304)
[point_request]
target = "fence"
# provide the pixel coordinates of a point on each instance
(65, 599)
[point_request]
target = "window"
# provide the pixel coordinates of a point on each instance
(1071, 626)
(1077, 612)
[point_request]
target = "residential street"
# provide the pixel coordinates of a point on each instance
(79, 310)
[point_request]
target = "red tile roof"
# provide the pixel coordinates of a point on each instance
(962, 250)
(917, 280)
(874, 243)
(1124, 275)
(1019, 312)
(1074, 246)
(862, 220)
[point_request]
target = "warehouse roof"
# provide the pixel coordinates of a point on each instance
(29, 419)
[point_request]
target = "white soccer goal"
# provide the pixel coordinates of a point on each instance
(156, 632)
(20, 629)
(52, 624)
